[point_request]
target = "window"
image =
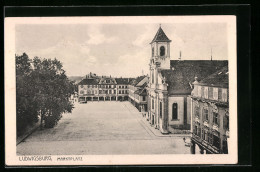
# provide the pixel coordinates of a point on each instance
(210, 139)
(174, 111)
(152, 104)
(195, 129)
(123, 92)
(162, 51)
(210, 93)
(143, 98)
(202, 92)
(126, 86)
(197, 111)
(215, 118)
(225, 146)
(199, 91)
(81, 92)
(160, 109)
(106, 91)
(226, 122)
(205, 114)
(224, 95)
(119, 86)
(206, 96)
(216, 140)
(114, 91)
(119, 91)
(123, 87)
(152, 51)
(215, 93)
(109, 86)
(110, 91)
(100, 91)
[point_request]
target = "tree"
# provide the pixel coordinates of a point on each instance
(53, 90)
(26, 113)
(42, 89)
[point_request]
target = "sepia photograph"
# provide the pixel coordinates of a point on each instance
(121, 90)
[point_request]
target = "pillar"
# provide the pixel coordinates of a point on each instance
(116, 98)
(98, 98)
(104, 98)
(92, 99)
(110, 98)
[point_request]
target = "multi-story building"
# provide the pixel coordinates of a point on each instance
(95, 88)
(210, 113)
(138, 93)
(170, 85)
(123, 88)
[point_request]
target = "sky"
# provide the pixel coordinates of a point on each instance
(118, 49)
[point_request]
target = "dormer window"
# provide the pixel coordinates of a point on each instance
(162, 51)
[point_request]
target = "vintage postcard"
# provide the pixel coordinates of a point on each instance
(141, 90)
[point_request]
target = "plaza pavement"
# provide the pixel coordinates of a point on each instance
(101, 128)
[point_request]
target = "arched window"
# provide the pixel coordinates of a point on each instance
(160, 109)
(174, 111)
(162, 51)
(152, 52)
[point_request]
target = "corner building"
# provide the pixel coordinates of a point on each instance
(170, 85)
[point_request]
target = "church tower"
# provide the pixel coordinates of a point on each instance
(161, 50)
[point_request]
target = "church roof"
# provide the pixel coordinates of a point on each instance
(219, 78)
(183, 73)
(160, 36)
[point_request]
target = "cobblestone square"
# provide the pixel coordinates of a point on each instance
(100, 128)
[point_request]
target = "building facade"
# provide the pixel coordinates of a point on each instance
(210, 113)
(95, 88)
(138, 93)
(170, 85)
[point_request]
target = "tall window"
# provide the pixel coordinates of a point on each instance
(206, 114)
(216, 140)
(215, 118)
(174, 111)
(197, 111)
(152, 104)
(119, 92)
(162, 51)
(160, 109)
(152, 52)
(226, 122)
(143, 98)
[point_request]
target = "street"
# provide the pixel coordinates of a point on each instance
(100, 128)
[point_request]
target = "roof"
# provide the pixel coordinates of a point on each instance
(124, 81)
(141, 92)
(160, 36)
(219, 78)
(89, 81)
(180, 78)
(135, 81)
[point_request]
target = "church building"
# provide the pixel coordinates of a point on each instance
(170, 85)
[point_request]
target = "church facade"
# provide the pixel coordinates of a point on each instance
(170, 85)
